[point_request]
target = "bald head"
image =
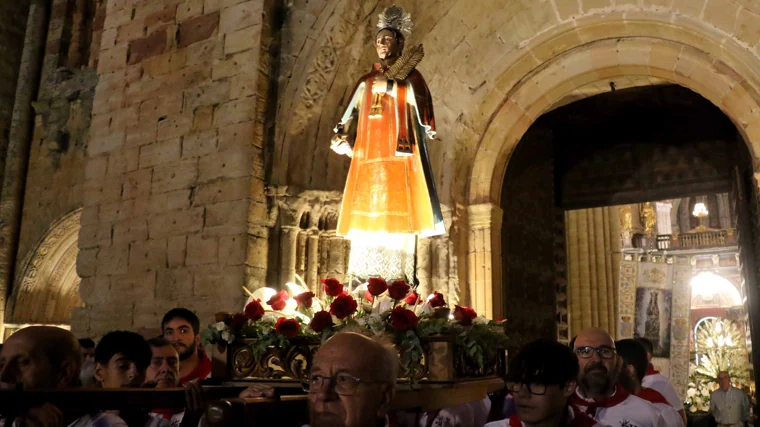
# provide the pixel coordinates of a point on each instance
(599, 371)
(40, 357)
(352, 381)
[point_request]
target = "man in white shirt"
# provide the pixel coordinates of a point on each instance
(598, 394)
(728, 404)
(542, 378)
(656, 381)
(633, 356)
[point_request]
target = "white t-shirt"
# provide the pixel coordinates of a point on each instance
(622, 410)
(662, 384)
(107, 419)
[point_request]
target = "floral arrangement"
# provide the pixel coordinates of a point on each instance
(720, 347)
(277, 318)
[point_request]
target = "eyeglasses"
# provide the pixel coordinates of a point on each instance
(343, 384)
(604, 352)
(533, 388)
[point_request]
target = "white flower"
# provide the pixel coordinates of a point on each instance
(382, 305)
(227, 336)
(424, 309)
(705, 392)
(693, 409)
(691, 392)
(220, 326)
(480, 320)
(269, 318)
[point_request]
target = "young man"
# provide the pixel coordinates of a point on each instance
(598, 394)
(121, 359)
(182, 328)
(543, 378)
(633, 358)
(656, 381)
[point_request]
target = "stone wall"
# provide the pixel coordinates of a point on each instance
(174, 206)
(11, 44)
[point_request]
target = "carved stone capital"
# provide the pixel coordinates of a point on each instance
(484, 215)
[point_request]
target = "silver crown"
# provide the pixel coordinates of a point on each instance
(397, 18)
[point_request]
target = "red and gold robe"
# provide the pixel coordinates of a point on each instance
(386, 192)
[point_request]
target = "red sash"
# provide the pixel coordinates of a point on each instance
(653, 396)
(651, 370)
(591, 406)
(201, 371)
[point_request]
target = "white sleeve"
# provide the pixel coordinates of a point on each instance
(671, 395)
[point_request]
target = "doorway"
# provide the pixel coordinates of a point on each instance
(563, 227)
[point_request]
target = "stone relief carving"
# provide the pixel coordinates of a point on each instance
(48, 275)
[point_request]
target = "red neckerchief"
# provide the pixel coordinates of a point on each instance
(653, 396)
(201, 371)
(167, 414)
(651, 370)
(591, 406)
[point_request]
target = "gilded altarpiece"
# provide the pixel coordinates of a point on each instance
(657, 275)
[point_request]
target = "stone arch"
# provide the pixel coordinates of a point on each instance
(47, 286)
(700, 59)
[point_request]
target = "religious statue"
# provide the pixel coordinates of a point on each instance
(648, 217)
(652, 326)
(385, 130)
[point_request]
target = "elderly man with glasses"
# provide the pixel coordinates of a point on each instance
(542, 378)
(598, 393)
(352, 382)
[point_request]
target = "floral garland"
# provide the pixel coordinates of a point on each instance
(395, 309)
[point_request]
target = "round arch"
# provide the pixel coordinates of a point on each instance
(696, 56)
(47, 286)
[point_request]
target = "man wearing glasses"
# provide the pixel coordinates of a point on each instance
(598, 393)
(542, 378)
(352, 381)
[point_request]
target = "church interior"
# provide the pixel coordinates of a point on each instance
(567, 165)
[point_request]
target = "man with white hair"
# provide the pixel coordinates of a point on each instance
(728, 404)
(352, 382)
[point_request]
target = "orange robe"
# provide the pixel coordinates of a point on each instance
(386, 192)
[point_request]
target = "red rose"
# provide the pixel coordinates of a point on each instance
(304, 299)
(321, 321)
(238, 320)
(287, 327)
(412, 299)
(333, 288)
(403, 319)
(437, 300)
(279, 300)
(464, 315)
(398, 290)
(377, 286)
(343, 306)
(254, 310)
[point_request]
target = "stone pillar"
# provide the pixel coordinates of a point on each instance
(19, 141)
(312, 264)
(484, 259)
(423, 266)
(663, 217)
(288, 253)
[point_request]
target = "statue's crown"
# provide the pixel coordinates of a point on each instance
(397, 18)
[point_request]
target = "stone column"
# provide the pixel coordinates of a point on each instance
(19, 141)
(484, 259)
(312, 264)
(288, 253)
(663, 217)
(423, 266)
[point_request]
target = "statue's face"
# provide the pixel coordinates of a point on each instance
(387, 45)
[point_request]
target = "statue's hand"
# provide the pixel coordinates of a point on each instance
(380, 85)
(341, 146)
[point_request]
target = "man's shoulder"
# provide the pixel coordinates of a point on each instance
(636, 405)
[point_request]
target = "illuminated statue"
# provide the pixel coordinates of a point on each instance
(390, 196)
(390, 186)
